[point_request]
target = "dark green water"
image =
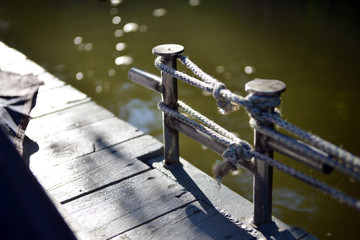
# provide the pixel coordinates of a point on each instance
(313, 46)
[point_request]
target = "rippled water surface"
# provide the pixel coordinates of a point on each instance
(313, 46)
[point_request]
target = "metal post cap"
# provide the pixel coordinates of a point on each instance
(168, 50)
(265, 87)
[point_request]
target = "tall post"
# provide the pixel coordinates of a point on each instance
(263, 176)
(169, 53)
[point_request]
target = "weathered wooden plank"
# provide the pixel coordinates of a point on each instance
(82, 175)
(202, 185)
(23, 67)
(194, 221)
(57, 99)
(130, 203)
(67, 119)
(204, 188)
(12, 56)
(50, 81)
(84, 140)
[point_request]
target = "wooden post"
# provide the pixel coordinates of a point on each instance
(169, 53)
(263, 173)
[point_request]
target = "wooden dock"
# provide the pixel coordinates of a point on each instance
(109, 179)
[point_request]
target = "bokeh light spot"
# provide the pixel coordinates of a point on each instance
(123, 60)
(111, 72)
(159, 12)
(118, 33)
(88, 46)
(220, 69)
(113, 11)
(194, 3)
(99, 89)
(79, 76)
(116, 20)
(120, 46)
(131, 27)
(78, 40)
(143, 28)
(249, 69)
(115, 2)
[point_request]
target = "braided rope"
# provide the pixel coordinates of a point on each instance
(213, 134)
(240, 149)
(225, 106)
(290, 142)
(207, 122)
(338, 195)
(183, 77)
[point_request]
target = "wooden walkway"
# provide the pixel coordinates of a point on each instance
(108, 175)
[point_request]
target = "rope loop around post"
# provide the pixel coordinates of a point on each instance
(257, 106)
(263, 102)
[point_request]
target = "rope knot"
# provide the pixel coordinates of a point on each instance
(237, 151)
(231, 155)
(225, 106)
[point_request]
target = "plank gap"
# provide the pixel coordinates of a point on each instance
(73, 104)
(150, 220)
(104, 186)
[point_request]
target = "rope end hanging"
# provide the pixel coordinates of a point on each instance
(232, 154)
(221, 169)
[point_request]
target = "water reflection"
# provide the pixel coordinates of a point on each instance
(99, 89)
(159, 12)
(115, 2)
(111, 72)
(113, 11)
(118, 33)
(194, 3)
(79, 76)
(293, 200)
(130, 27)
(120, 46)
(220, 69)
(139, 112)
(123, 60)
(88, 47)
(116, 20)
(78, 40)
(90, 73)
(81, 45)
(249, 69)
(143, 28)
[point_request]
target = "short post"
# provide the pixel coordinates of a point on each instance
(169, 53)
(263, 176)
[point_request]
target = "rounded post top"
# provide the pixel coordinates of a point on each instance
(168, 50)
(266, 87)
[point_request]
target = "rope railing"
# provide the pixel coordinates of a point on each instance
(254, 104)
(261, 105)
